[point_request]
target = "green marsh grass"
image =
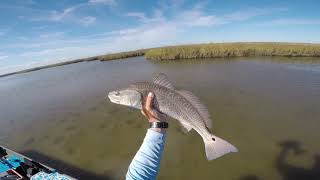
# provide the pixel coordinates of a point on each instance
(216, 50)
(122, 55)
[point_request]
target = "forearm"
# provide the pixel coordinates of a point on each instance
(145, 164)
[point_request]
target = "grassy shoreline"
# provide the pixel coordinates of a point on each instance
(107, 57)
(217, 50)
(123, 55)
(201, 51)
(50, 66)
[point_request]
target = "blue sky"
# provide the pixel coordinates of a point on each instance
(39, 32)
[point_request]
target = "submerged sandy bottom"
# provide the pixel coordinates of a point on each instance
(268, 109)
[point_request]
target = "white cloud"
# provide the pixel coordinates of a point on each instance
(43, 52)
(243, 15)
(3, 57)
(58, 16)
(27, 2)
(65, 49)
(39, 27)
(121, 40)
(205, 21)
(4, 31)
(156, 17)
(105, 2)
(293, 22)
(67, 14)
(176, 3)
(55, 15)
(22, 38)
(145, 36)
(170, 4)
(126, 31)
(51, 35)
(196, 18)
(88, 20)
(155, 29)
(138, 15)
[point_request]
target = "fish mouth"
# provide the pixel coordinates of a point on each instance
(114, 97)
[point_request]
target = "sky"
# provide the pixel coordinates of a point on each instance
(40, 32)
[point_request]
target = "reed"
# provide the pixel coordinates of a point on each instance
(214, 50)
(122, 55)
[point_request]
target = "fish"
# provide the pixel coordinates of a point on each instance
(181, 105)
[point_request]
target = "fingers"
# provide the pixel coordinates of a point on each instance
(142, 111)
(149, 111)
(158, 115)
(149, 99)
(147, 108)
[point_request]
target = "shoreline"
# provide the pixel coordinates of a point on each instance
(201, 51)
(224, 50)
(50, 66)
(107, 57)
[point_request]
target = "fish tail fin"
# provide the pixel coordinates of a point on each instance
(216, 147)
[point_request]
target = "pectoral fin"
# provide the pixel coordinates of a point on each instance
(185, 127)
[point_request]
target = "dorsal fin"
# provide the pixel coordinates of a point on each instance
(162, 80)
(203, 111)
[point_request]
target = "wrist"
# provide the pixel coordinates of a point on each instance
(159, 130)
(158, 126)
(151, 120)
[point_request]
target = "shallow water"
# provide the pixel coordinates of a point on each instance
(267, 107)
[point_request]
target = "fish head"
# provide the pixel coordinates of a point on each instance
(127, 97)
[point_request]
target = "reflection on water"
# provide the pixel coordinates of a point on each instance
(310, 68)
(255, 103)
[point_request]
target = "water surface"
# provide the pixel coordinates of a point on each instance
(267, 107)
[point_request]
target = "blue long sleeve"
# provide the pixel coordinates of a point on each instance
(145, 164)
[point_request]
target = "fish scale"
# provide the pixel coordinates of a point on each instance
(179, 104)
(183, 111)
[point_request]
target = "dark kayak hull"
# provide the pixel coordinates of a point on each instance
(17, 166)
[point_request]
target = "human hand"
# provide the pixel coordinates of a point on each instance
(151, 113)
